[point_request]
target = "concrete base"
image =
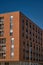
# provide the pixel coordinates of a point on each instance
(18, 63)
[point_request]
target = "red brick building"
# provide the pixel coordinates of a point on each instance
(20, 40)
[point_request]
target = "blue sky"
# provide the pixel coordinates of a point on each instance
(31, 8)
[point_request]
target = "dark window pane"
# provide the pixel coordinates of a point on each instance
(6, 63)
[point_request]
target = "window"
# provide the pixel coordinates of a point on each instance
(12, 44)
(11, 32)
(33, 27)
(23, 50)
(1, 33)
(1, 19)
(36, 29)
(33, 34)
(22, 27)
(30, 25)
(37, 59)
(37, 48)
(39, 55)
(27, 51)
(30, 44)
(27, 30)
(36, 41)
(1, 26)
(23, 34)
(27, 58)
(33, 39)
(12, 47)
(41, 38)
(24, 43)
(30, 32)
(34, 59)
(34, 46)
(26, 36)
(6, 63)
(36, 55)
(3, 47)
(12, 54)
(39, 31)
(27, 22)
(30, 57)
(12, 40)
(11, 25)
(30, 50)
(11, 18)
(24, 56)
(27, 43)
(2, 55)
(30, 38)
(23, 21)
(36, 36)
(2, 40)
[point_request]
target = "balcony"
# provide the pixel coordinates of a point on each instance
(2, 49)
(2, 55)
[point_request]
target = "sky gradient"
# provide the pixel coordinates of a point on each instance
(33, 9)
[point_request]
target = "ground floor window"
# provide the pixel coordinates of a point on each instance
(6, 63)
